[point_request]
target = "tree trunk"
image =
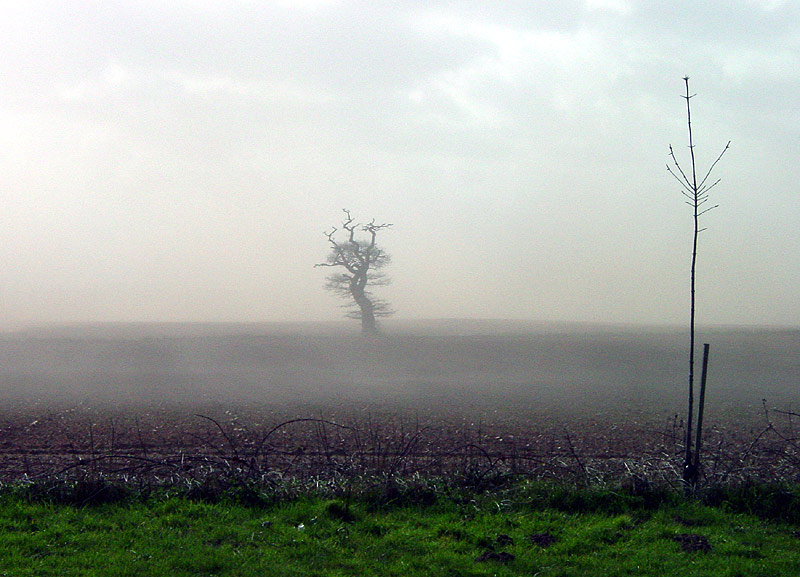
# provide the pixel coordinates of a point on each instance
(369, 325)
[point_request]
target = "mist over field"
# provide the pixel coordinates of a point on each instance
(458, 365)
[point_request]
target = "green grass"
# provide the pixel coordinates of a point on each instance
(176, 536)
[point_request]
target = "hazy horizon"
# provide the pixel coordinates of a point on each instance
(429, 326)
(503, 366)
(179, 162)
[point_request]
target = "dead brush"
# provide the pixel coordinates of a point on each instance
(389, 457)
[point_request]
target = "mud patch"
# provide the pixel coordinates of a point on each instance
(692, 543)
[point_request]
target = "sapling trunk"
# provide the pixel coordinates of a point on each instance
(696, 194)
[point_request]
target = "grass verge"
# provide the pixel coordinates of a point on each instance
(530, 530)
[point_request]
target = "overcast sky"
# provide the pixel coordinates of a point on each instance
(180, 161)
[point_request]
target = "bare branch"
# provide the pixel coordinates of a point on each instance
(687, 188)
(677, 165)
(711, 169)
(707, 210)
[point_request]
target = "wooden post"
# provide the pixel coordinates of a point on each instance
(700, 407)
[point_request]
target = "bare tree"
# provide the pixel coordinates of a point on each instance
(359, 263)
(696, 194)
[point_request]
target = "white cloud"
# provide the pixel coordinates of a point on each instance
(305, 4)
(757, 65)
(113, 78)
(568, 70)
(768, 5)
(227, 86)
(619, 7)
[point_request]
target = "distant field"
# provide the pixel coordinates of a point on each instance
(462, 364)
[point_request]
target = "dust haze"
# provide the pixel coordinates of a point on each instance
(482, 365)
